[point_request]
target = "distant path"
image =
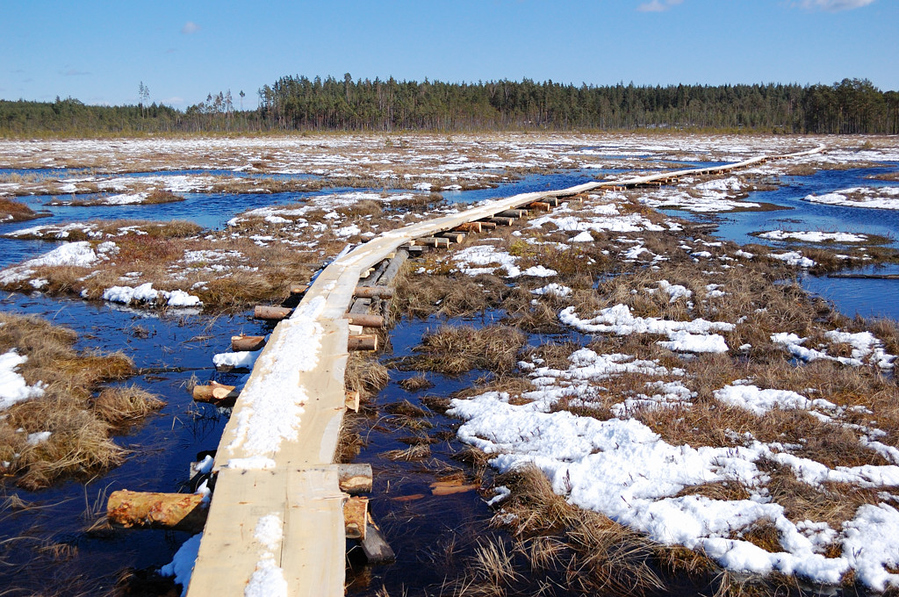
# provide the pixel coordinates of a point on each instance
(277, 511)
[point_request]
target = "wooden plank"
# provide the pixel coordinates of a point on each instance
(313, 565)
(229, 551)
(303, 485)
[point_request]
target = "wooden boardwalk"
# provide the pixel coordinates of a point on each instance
(275, 462)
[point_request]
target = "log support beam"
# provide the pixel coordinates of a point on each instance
(363, 342)
(216, 393)
(271, 313)
(244, 342)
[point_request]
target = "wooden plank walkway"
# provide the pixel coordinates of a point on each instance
(275, 458)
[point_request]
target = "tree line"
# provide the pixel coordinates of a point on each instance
(297, 103)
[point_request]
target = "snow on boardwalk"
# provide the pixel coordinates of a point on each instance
(275, 524)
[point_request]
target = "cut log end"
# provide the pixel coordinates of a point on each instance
(355, 517)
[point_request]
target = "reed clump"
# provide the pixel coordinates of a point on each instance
(15, 211)
(456, 349)
(66, 430)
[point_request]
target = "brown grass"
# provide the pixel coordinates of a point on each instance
(79, 424)
(365, 375)
(13, 211)
(600, 555)
(122, 404)
(454, 350)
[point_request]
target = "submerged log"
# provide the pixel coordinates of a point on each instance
(866, 276)
(271, 313)
(366, 320)
(374, 546)
(363, 342)
(355, 517)
(244, 342)
(170, 511)
(216, 393)
(373, 292)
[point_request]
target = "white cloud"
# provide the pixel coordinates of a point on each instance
(658, 5)
(190, 27)
(833, 5)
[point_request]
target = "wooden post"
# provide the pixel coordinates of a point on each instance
(298, 288)
(501, 221)
(366, 320)
(539, 205)
(553, 201)
(271, 313)
(487, 225)
(244, 342)
(172, 511)
(216, 393)
(363, 342)
(354, 478)
(355, 517)
(373, 292)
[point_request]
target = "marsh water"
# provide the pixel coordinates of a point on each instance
(44, 545)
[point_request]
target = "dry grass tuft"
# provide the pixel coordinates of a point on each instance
(416, 383)
(762, 533)
(605, 556)
(365, 375)
(454, 350)
(406, 409)
(162, 196)
(121, 404)
(13, 211)
(79, 425)
(414, 452)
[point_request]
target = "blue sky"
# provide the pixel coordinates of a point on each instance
(99, 51)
